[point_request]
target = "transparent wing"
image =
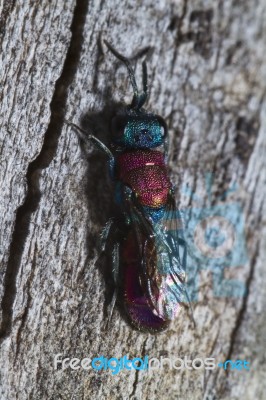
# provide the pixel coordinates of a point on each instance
(163, 255)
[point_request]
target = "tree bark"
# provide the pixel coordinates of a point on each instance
(207, 77)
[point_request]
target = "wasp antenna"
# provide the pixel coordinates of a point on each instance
(146, 51)
(143, 97)
(145, 78)
(127, 63)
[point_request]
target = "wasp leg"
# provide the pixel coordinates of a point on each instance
(115, 273)
(182, 243)
(86, 137)
(191, 309)
(115, 250)
(105, 233)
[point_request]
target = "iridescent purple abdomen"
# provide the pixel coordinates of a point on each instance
(136, 301)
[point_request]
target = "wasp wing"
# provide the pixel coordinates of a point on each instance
(162, 253)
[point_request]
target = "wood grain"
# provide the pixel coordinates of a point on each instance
(207, 78)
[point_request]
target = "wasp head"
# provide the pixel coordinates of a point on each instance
(143, 131)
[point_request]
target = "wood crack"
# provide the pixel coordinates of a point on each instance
(42, 161)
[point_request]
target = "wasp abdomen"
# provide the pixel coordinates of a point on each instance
(136, 302)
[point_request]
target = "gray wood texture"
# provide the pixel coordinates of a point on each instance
(207, 77)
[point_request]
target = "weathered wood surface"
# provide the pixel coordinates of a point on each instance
(208, 78)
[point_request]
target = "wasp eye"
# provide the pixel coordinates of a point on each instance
(163, 126)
